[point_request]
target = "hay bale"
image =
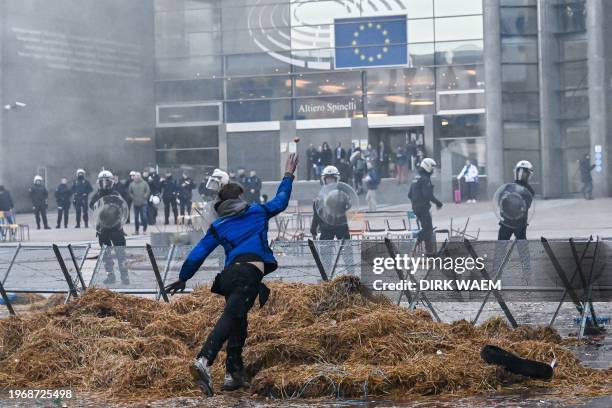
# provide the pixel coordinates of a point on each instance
(310, 341)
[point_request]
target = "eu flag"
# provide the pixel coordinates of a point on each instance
(371, 41)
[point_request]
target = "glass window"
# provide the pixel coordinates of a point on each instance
(188, 68)
(577, 136)
(574, 75)
(460, 52)
(400, 80)
(458, 28)
(188, 114)
(519, 21)
(420, 31)
(511, 157)
(520, 106)
(255, 64)
(328, 84)
(460, 77)
(457, 101)
(187, 137)
(255, 111)
(519, 50)
(414, 8)
(258, 87)
(195, 157)
(457, 8)
(455, 126)
(518, 136)
(573, 49)
(575, 104)
(572, 17)
(518, 2)
(189, 90)
(401, 104)
(421, 54)
(460, 150)
(328, 107)
(519, 77)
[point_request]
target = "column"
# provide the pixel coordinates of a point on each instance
(493, 95)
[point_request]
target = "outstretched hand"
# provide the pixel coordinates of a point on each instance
(291, 164)
(178, 286)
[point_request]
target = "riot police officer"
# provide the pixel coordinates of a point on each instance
(39, 196)
(186, 187)
(515, 202)
(63, 194)
(341, 203)
(421, 195)
(81, 189)
(169, 195)
(110, 230)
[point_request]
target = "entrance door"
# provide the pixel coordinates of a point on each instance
(392, 138)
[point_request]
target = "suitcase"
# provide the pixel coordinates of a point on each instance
(457, 196)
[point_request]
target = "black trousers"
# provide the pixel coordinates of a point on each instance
(185, 206)
(62, 212)
(505, 232)
(40, 212)
(170, 203)
(239, 283)
(339, 232)
(426, 233)
(113, 239)
(587, 189)
(80, 206)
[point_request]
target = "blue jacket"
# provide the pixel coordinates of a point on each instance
(245, 233)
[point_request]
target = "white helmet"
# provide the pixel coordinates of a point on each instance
(330, 171)
(428, 164)
(80, 172)
(38, 178)
(154, 200)
(132, 173)
(217, 179)
(523, 170)
(106, 180)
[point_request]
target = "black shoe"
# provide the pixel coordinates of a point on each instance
(200, 372)
(66, 226)
(58, 227)
(234, 381)
(86, 225)
(38, 227)
(516, 364)
(77, 226)
(110, 279)
(47, 227)
(166, 222)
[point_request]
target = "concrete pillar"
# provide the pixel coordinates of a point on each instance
(359, 129)
(550, 132)
(598, 106)
(493, 95)
(3, 141)
(429, 136)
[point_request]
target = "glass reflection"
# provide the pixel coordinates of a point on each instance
(461, 52)
(458, 28)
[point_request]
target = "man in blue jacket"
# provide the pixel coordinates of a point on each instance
(242, 230)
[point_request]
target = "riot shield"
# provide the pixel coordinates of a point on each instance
(335, 202)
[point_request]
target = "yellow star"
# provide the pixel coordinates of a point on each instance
(371, 59)
(378, 26)
(354, 42)
(387, 41)
(362, 57)
(379, 56)
(385, 32)
(385, 49)
(362, 27)
(355, 34)
(356, 51)
(370, 25)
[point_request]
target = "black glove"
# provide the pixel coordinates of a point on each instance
(438, 205)
(178, 286)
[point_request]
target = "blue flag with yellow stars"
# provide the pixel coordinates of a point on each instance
(371, 41)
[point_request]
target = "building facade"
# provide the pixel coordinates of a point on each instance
(75, 90)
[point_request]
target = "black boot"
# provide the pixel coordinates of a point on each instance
(110, 279)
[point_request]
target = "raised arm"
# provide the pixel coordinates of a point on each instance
(280, 202)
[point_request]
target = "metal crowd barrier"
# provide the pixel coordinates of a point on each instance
(566, 271)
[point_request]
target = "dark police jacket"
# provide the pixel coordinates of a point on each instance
(6, 201)
(39, 195)
(81, 189)
(421, 192)
(63, 193)
(169, 189)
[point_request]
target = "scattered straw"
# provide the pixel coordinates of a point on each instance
(309, 341)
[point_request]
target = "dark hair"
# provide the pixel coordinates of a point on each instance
(230, 191)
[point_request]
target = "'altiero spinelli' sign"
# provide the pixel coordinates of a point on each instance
(327, 107)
